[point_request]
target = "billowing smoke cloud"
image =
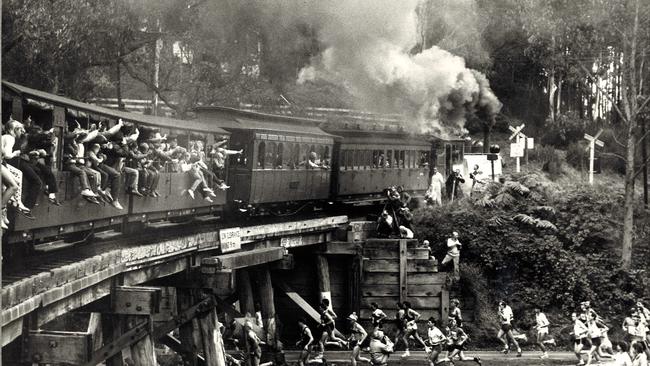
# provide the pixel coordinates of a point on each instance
(367, 46)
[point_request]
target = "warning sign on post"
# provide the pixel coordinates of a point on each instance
(530, 143)
(516, 150)
(230, 239)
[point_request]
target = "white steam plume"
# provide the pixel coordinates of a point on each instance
(367, 49)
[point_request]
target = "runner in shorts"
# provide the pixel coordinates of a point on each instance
(596, 333)
(456, 339)
(357, 338)
(411, 330)
(454, 312)
(542, 335)
(327, 324)
(304, 344)
(400, 323)
(505, 317)
(435, 339)
(378, 316)
(581, 338)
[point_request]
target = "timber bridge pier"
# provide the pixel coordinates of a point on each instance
(118, 298)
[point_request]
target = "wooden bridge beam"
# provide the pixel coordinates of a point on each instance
(323, 274)
(245, 292)
(267, 303)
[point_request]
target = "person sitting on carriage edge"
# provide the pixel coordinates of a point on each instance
(40, 144)
(116, 151)
(71, 150)
(111, 176)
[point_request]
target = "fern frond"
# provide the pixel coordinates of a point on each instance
(517, 187)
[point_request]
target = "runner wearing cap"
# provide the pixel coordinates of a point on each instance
(358, 336)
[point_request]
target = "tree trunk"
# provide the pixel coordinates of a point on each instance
(630, 104)
(628, 218)
(558, 96)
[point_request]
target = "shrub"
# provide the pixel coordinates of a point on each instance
(538, 244)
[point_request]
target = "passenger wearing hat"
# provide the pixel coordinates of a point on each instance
(380, 348)
(358, 336)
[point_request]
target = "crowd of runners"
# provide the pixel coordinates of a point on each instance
(446, 341)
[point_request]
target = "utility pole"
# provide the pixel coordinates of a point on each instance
(593, 141)
(156, 70)
(644, 158)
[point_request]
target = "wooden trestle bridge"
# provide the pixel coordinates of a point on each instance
(106, 302)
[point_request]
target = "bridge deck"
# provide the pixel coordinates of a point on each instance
(58, 285)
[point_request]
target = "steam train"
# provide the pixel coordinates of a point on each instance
(356, 164)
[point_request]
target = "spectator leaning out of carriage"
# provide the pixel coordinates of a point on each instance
(197, 150)
(40, 145)
(148, 170)
(73, 161)
(110, 176)
(191, 166)
(12, 177)
(116, 151)
(27, 152)
(218, 154)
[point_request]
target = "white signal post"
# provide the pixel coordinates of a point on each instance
(593, 141)
(516, 133)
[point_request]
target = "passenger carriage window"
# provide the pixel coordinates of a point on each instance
(279, 157)
(350, 161)
(378, 159)
(295, 156)
(326, 156)
(402, 159)
(424, 159)
(389, 159)
(270, 155)
(261, 154)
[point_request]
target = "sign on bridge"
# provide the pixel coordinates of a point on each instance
(230, 239)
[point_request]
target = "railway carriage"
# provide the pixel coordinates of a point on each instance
(76, 214)
(371, 161)
(287, 163)
(274, 169)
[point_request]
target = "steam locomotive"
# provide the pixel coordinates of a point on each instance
(355, 164)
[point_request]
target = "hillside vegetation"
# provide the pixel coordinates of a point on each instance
(545, 242)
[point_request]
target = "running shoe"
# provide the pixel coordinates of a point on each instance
(505, 351)
(406, 354)
(478, 361)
